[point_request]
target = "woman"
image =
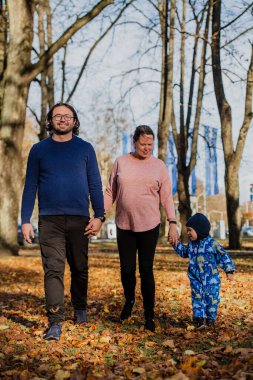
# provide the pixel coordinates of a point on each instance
(138, 184)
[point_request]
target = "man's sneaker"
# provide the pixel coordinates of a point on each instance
(199, 322)
(127, 310)
(54, 332)
(80, 317)
(150, 324)
(210, 322)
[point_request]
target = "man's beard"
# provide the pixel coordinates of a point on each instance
(60, 132)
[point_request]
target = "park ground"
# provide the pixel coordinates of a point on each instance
(107, 349)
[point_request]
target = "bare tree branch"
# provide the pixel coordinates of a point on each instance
(32, 71)
(93, 48)
(237, 17)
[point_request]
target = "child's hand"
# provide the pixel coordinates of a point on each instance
(230, 276)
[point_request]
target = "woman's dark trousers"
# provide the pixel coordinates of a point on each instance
(129, 243)
(62, 237)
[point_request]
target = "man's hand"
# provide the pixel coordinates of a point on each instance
(93, 227)
(173, 234)
(28, 233)
(230, 276)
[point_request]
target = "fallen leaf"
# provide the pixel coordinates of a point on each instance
(150, 344)
(179, 376)
(105, 339)
(4, 327)
(106, 309)
(189, 352)
(139, 370)
(169, 343)
(24, 375)
(61, 375)
(228, 349)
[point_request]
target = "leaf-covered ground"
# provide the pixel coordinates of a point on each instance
(107, 349)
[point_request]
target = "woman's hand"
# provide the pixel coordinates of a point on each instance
(173, 234)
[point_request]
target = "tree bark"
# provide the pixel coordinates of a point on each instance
(232, 157)
(13, 119)
(50, 66)
(43, 79)
(166, 91)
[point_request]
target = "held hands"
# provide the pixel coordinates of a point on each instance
(93, 227)
(173, 234)
(28, 233)
(230, 276)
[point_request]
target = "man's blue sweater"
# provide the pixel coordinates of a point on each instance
(65, 175)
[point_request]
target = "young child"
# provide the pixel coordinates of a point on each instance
(205, 255)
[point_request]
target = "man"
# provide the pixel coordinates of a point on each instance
(63, 169)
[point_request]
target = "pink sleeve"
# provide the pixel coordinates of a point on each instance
(111, 189)
(166, 198)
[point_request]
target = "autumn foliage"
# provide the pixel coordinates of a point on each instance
(107, 349)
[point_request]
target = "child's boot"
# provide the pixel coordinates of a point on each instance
(199, 322)
(210, 322)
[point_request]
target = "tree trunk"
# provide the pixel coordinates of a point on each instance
(233, 212)
(43, 80)
(166, 91)
(13, 112)
(50, 66)
(184, 207)
(232, 157)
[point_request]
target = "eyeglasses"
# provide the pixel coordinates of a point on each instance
(58, 117)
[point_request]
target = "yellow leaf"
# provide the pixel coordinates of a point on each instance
(72, 366)
(150, 344)
(190, 328)
(201, 363)
(106, 309)
(228, 349)
(128, 373)
(105, 339)
(139, 370)
(61, 375)
(4, 327)
(189, 352)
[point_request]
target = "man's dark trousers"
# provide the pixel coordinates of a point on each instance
(62, 237)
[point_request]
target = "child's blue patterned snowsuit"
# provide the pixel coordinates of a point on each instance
(205, 255)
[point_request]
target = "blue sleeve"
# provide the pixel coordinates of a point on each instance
(181, 249)
(222, 258)
(31, 185)
(95, 184)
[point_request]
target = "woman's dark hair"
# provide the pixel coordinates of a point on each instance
(142, 130)
(49, 126)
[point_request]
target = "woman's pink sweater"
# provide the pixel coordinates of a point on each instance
(138, 187)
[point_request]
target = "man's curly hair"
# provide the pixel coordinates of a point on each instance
(49, 126)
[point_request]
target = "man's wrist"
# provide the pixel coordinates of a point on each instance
(101, 218)
(172, 222)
